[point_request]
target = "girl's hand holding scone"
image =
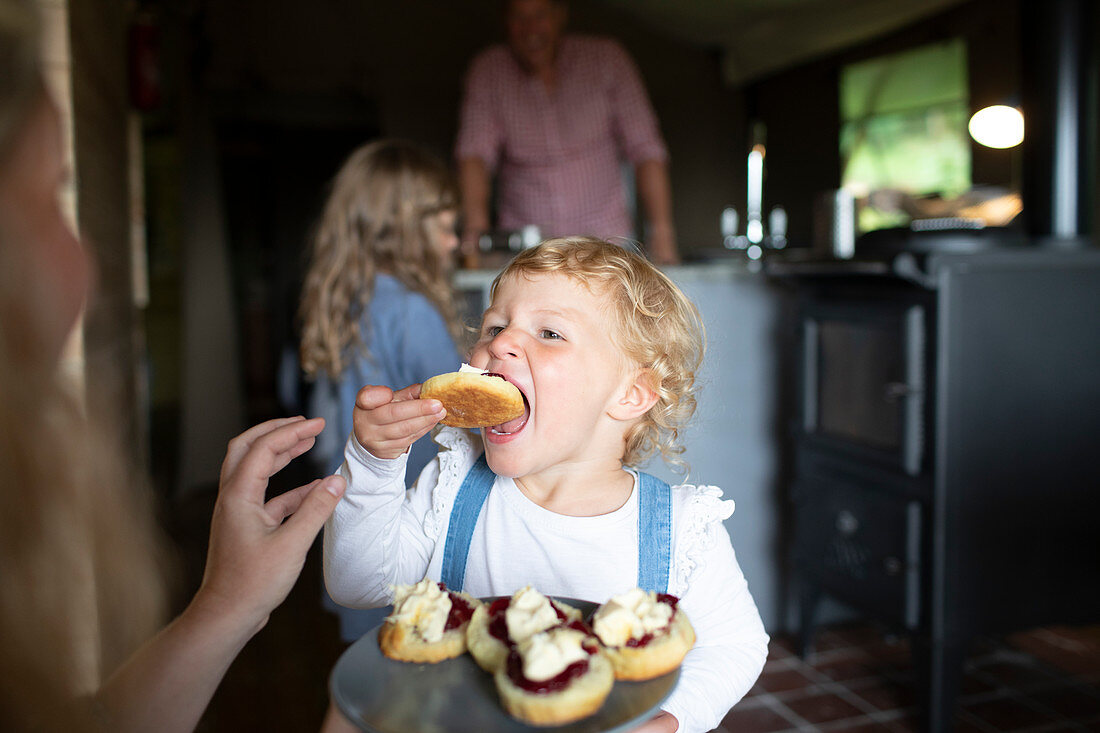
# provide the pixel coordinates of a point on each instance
(386, 423)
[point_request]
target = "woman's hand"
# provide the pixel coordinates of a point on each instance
(386, 422)
(256, 553)
(257, 549)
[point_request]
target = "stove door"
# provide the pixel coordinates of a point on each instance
(863, 380)
(861, 545)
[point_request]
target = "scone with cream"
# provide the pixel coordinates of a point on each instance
(555, 677)
(428, 623)
(475, 398)
(644, 632)
(499, 626)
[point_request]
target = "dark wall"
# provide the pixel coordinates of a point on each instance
(799, 110)
(407, 61)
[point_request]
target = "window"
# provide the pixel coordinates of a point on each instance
(903, 131)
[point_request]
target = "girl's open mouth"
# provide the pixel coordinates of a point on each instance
(513, 426)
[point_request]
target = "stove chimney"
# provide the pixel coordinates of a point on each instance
(1059, 95)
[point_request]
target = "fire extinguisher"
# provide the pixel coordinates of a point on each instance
(145, 79)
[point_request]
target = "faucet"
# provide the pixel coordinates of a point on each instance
(757, 237)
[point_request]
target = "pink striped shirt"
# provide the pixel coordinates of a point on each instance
(556, 152)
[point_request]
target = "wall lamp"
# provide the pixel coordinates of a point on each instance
(998, 126)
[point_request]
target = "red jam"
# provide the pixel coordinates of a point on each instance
(542, 687)
(461, 611)
(580, 626)
(644, 640)
(498, 625)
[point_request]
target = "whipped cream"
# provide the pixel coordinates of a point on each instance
(467, 369)
(548, 653)
(630, 615)
(529, 613)
(423, 606)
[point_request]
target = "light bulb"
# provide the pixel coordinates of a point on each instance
(998, 126)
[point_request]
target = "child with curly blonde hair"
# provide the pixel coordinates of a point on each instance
(604, 348)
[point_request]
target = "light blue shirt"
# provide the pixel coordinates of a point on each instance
(408, 342)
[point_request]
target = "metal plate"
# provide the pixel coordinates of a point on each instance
(381, 695)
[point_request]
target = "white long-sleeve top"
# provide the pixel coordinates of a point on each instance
(381, 535)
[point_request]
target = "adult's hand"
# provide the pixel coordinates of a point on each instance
(473, 180)
(662, 247)
(258, 548)
(655, 191)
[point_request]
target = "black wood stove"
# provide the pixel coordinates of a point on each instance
(946, 431)
(946, 478)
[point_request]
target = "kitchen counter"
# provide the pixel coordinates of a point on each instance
(734, 440)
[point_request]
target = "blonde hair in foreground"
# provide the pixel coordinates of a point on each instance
(655, 325)
(375, 220)
(82, 586)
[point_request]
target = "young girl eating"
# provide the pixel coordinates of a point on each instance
(604, 348)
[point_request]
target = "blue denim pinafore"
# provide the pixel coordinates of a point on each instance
(654, 527)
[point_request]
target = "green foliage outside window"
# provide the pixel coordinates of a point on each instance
(903, 128)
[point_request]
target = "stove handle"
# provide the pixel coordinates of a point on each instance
(895, 391)
(846, 523)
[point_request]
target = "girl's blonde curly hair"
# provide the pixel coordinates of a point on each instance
(656, 326)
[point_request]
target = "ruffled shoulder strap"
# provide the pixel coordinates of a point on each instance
(696, 510)
(458, 450)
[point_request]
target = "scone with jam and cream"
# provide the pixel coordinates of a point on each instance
(555, 676)
(475, 398)
(428, 623)
(644, 632)
(499, 626)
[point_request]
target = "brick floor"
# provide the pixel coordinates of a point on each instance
(858, 679)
